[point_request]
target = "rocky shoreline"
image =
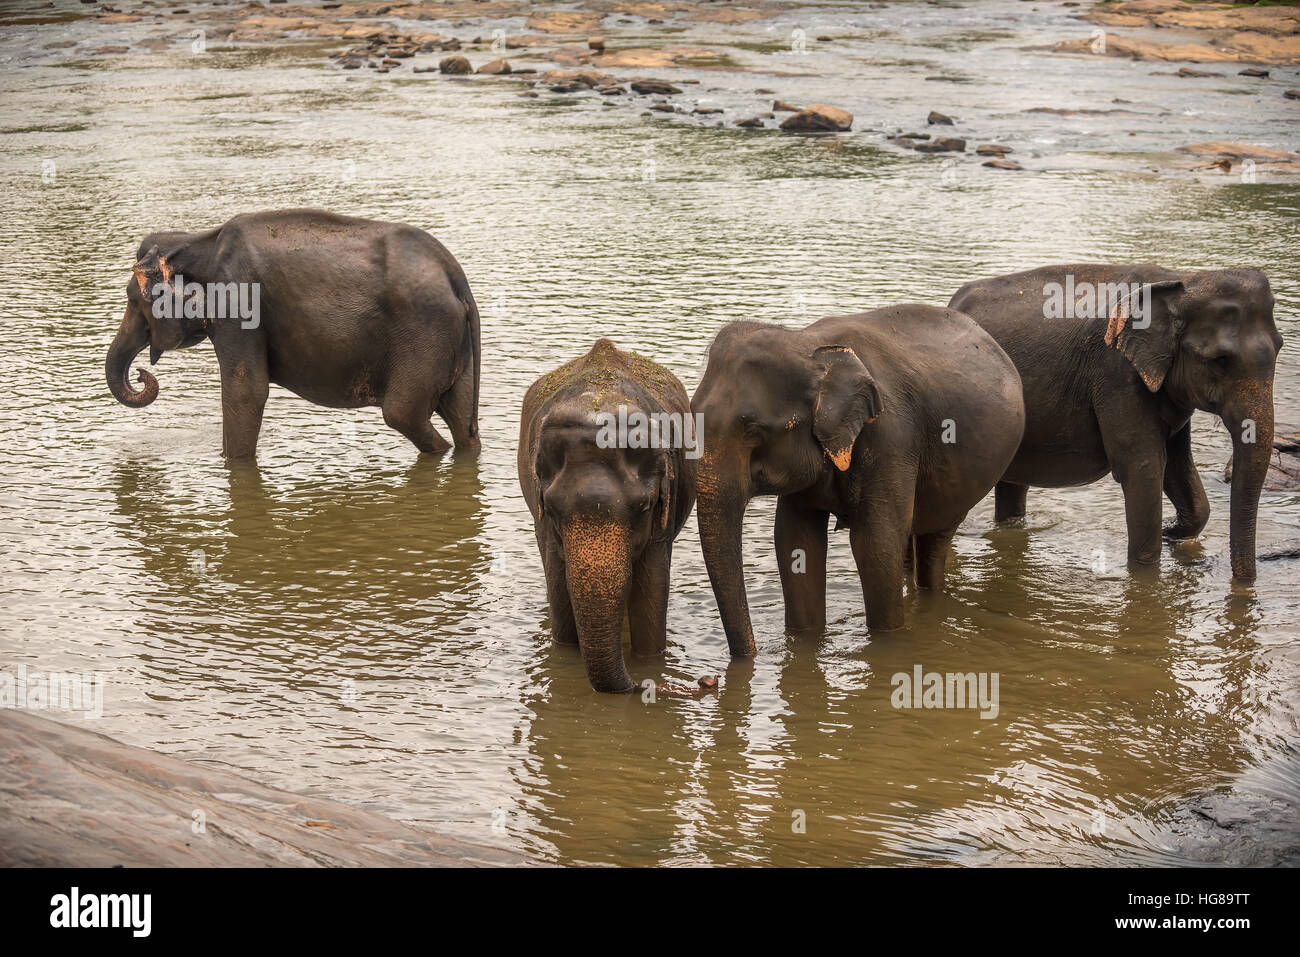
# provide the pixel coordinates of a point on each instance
(73, 798)
(570, 52)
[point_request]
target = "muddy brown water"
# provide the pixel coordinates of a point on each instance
(352, 622)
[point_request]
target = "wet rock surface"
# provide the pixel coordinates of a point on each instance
(1284, 468)
(72, 798)
(819, 118)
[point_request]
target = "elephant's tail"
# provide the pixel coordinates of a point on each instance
(472, 326)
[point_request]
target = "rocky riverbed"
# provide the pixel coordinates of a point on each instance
(72, 798)
(738, 65)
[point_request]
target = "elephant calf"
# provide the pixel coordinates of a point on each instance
(1114, 361)
(343, 312)
(608, 500)
(895, 421)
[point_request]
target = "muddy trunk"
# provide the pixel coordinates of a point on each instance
(1250, 462)
(596, 564)
(132, 337)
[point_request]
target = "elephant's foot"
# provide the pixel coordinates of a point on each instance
(1179, 531)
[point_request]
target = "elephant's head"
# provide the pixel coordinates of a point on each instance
(153, 318)
(605, 505)
(778, 412)
(1208, 340)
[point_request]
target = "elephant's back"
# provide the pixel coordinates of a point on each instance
(941, 349)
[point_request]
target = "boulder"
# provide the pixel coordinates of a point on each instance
(72, 798)
(1002, 164)
(942, 144)
(455, 65)
(819, 118)
(661, 87)
(938, 119)
(781, 106)
(1284, 469)
(993, 149)
(495, 67)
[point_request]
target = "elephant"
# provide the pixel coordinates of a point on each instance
(606, 511)
(1111, 380)
(896, 421)
(343, 312)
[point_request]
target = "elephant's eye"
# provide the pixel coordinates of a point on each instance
(1220, 364)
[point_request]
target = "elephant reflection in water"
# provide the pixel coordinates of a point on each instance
(304, 564)
(818, 776)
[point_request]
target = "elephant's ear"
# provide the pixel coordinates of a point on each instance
(1144, 327)
(847, 399)
(149, 270)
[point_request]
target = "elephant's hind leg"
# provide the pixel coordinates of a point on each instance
(932, 558)
(408, 413)
(457, 409)
(1009, 501)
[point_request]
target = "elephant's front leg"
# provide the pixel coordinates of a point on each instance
(1136, 452)
(1183, 487)
(564, 630)
(244, 388)
(648, 601)
(879, 540)
(800, 537)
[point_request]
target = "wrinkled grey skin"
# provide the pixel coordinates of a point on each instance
(848, 417)
(1115, 393)
(605, 518)
(352, 313)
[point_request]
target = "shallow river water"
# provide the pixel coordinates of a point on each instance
(351, 621)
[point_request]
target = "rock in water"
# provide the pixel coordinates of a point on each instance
(1284, 469)
(497, 66)
(819, 118)
(942, 144)
(654, 86)
(937, 118)
(455, 65)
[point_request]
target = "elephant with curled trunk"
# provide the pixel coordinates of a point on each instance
(608, 501)
(895, 421)
(1114, 360)
(343, 312)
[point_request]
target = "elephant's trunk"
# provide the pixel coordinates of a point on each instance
(132, 336)
(596, 563)
(720, 506)
(1250, 463)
